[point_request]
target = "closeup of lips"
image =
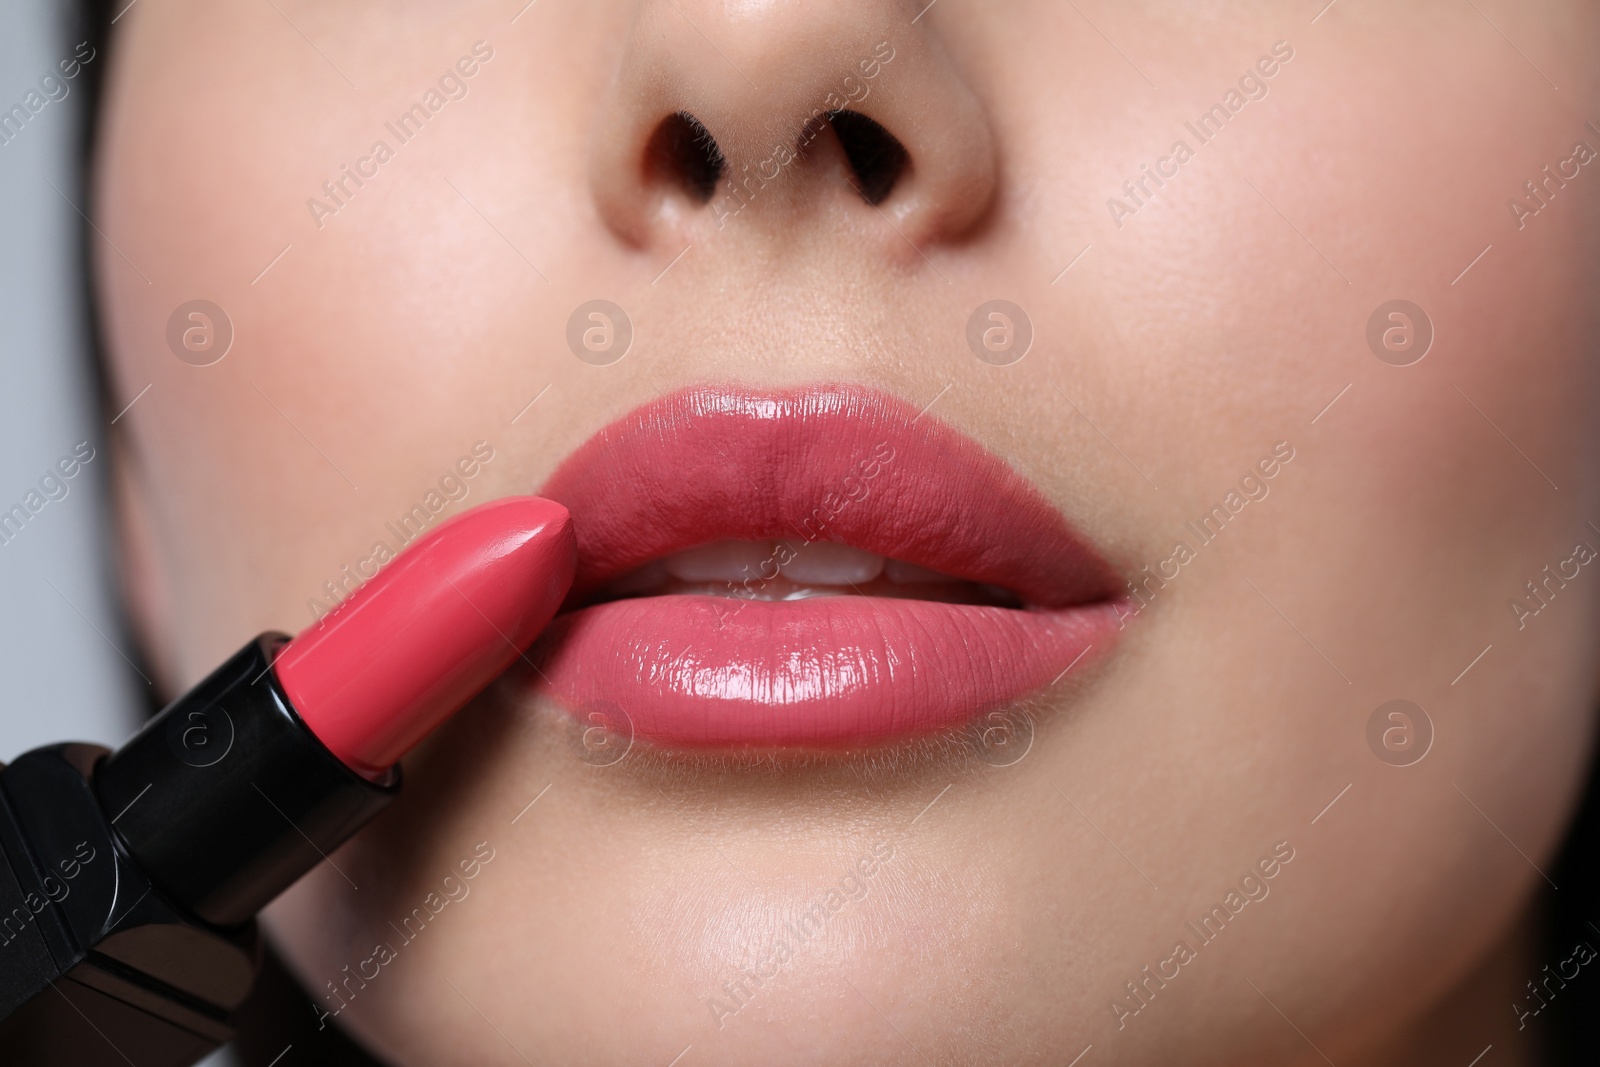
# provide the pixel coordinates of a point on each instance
(819, 567)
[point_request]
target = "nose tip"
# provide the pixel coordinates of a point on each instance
(788, 115)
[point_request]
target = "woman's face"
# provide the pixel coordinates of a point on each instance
(1213, 830)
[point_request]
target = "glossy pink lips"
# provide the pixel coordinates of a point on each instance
(836, 463)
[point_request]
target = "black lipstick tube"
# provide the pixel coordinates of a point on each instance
(129, 880)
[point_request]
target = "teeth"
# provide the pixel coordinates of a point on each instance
(903, 573)
(809, 593)
(810, 563)
(723, 561)
(827, 563)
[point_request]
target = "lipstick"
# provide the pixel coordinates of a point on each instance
(129, 880)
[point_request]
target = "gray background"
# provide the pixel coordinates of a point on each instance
(62, 669)
(62, 666)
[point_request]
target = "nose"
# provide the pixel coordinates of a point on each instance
(774, 116)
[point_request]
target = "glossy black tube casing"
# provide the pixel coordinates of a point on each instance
(129, 880)
(226, 798)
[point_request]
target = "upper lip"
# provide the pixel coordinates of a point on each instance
(843, 463)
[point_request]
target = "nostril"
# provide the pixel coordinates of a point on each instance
(876, 155)
(683, 152)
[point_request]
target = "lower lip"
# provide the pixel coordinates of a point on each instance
(702, 671)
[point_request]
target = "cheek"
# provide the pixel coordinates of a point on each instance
(318, 363)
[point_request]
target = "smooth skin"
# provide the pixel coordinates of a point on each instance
(1220, 318)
